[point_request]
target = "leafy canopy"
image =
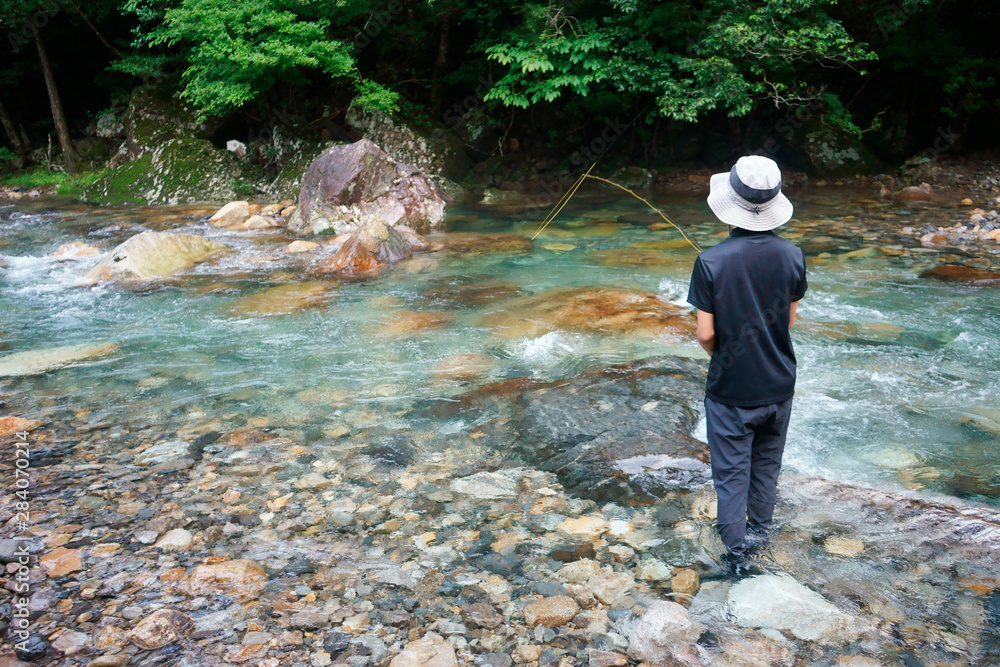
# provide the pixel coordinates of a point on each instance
(233, 52)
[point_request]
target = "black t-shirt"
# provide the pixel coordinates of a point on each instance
(748, 282)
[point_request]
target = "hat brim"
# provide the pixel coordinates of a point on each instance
(733, 210)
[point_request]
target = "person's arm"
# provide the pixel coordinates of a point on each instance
(706, 330)
(792, 310)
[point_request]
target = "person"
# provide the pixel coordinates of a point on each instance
(746, 291)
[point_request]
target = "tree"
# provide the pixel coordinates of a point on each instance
(693, 57)
(26, 18)
(232, 52)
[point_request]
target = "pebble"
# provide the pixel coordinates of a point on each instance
(160, 628)
(60, 562)
(175, 540)
(430, 651)
(551, 612)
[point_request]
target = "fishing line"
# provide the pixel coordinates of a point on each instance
(584, 176)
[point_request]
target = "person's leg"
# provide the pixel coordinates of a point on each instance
(729, 441)
(765, 465)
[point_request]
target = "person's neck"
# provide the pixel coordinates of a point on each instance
(739, 231)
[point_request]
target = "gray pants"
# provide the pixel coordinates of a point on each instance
(746, 446)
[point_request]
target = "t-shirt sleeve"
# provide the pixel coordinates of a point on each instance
(700, 291)
(802, 285)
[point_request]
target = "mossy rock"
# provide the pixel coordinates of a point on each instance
(179, 171)
(289, 180)
(154, 116)
(430, 147)
(834, 153)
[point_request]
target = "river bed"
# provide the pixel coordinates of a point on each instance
(292, 376)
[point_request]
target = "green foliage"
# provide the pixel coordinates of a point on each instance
(720, 54)
(235, 51)
(6, 155)
(374, 96)
(65, 184)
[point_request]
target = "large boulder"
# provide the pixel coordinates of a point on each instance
(349, 185)
(181, 170)
(432, 149)
(151, 255)
(154, 116)
(288, 182)
(620, 434)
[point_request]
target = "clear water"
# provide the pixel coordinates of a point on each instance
(890, 365)
(898, 375)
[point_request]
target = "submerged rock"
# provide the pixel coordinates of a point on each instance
(778, 602)
(607, 310)
(11, 425)
(430, 651)
(551, 612)
(922, 192)
(586, 428)
(242, 579)
(35, 362)
(408, 323)
(351, 185)
(74, 250)
(152, 255)
(654, 635)
(471, 243)
(954, 273)
(283, 299)
(160, 628)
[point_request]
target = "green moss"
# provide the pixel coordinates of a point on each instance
(179, 171)
(64, 184)
(289, 179)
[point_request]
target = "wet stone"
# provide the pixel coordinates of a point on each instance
(571, 552)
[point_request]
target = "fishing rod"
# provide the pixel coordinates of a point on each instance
(584, 176)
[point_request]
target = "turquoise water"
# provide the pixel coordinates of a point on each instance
(897, 375)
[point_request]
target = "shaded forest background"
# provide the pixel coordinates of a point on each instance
(696, 81)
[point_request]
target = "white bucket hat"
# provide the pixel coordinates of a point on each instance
(749, 196)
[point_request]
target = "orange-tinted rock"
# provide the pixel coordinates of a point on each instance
(60, 562)
(160, 628)
(459, 294)
(15, 425)
(283, 299)
(370, 248)
(643, 258)
(462, 367)
(954, 273)
(591, 310)
(241, 579)
(470, 243)
(75, 249)
(409, 322)
(923, 192)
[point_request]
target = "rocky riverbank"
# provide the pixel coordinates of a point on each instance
(224, 540)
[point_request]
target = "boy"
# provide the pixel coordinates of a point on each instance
(746, 290)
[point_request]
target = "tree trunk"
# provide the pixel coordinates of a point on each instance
(439, 63)
(11, 131)
(69, 156)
